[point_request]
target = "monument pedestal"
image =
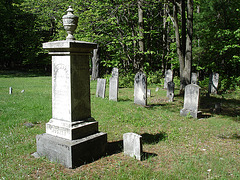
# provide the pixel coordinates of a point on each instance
(72, 137)
(72, 153)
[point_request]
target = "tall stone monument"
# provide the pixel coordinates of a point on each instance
(72, 137)
(140, 89)
(213, 83)
(113, 85)
(168, 77)
(191, 101)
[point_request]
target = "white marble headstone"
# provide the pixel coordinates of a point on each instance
(191, 101)
(132, 145)
(113, 85)
(101, 88)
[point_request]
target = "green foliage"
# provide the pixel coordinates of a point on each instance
(126, 80)
(113, 25)
(217, 27)
(154, 78)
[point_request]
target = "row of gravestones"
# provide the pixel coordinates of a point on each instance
(191, 96)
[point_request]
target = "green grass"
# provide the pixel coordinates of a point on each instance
(176, 147)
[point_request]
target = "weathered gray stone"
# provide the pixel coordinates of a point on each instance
(191, 101)
(101, 88)
(170, 91)
(168, 77)
(140, 89)
(132, 145)
(72, 136)
(213, 83)
(194, 78)
(113, 85)
(71, 153)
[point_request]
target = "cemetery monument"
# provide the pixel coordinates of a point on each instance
(72, 137)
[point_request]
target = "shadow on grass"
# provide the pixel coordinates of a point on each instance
(150, 106)
(114, 147)
(117, 147)
(233, 136)
(121, 99)
(153, 138)
(229, 107)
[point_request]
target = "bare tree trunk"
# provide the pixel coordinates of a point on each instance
(95, 64)
(141, 40)
(188, 56)
(184, 45)
(164, 38)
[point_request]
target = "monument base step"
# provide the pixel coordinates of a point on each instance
(194, 114)
(72, 153)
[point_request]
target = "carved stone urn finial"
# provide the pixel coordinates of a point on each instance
(70, 23)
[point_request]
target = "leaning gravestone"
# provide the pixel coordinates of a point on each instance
(194, 78)
(101, 88)
(113, 85)
(72, 137)
(132, 145)
(140, 89)
(191, 101)
(170, 91)
(213, 83)
(168, 77)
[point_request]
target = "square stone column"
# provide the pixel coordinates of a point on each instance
(72, 137)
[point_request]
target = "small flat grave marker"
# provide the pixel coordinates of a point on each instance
(132, 145)
(10, 90)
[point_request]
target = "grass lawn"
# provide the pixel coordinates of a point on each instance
(175, 147)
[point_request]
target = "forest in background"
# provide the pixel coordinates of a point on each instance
(149, 35)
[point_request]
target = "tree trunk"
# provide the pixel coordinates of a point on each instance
(164, 38)
(188, 56)
(184, 45)
(141, 40)
(95, 64)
